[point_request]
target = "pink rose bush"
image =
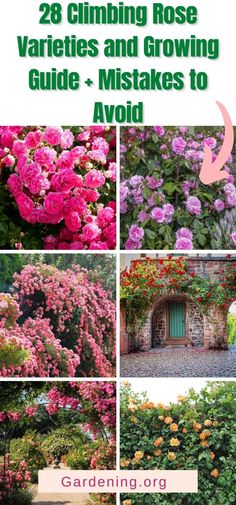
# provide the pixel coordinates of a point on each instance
(59, 323)
(61, 180)
(163, 204)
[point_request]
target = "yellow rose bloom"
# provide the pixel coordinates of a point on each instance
(124, 463)
(181, 398)
(138, 455)
(207, 433)
(157, 452)
(207, 422)
(215, 473)
(127, 502)
(168, 420)
(158, 441)
(134, 420)
(212, 455)
(132, 408)
(171, 456)
(204, 443)
(197, 426)
(174, 427)
(161, 418)
(160, 406)
(174, 442)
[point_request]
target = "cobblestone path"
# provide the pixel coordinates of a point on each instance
(180, 362)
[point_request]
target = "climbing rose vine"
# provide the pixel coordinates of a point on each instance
(95, 403)
(163, 203)
(62, 181)
(150, 278)
(59, 323)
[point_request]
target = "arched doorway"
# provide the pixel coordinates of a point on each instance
(177, 320)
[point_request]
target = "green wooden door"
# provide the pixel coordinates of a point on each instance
(177, 320)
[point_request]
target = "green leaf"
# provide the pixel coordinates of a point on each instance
(150, 233)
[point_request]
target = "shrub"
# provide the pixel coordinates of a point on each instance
(231, 324)
(29, 448)
(58, 188)
(195, 433)
(19, 497)
(164, 205)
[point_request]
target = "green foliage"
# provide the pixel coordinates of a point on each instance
(29, 448)
(198, 432)
(79, 459)
(10, 354)
(231, 325)
(19, 497)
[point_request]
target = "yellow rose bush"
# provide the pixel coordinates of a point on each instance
(196, 432)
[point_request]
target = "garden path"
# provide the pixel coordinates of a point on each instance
(180, 362)
(60, 499)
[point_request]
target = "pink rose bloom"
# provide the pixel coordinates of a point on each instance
(105, 217)
(72, 221)
(65, 160)
(33, 139)
(94, 179)
(158, 214)
(98, 155)
(219, 205)
(52, 135)
(77, 152)
(67, 139)
(109, 234)
(9, 160)
(76, 246)
(84, 136)
(90, 195)
(100, 144)
(76, 204)
(45, 156)
(54, 203)
(15, 185)
(98, 246)
(65, 180)
(19, 148)
(50, 241)
(38, 184)
(111, 172)
(90, 232)
(25, 205)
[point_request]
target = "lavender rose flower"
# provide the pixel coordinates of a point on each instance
(233, 236)
(136, 180)
(210, 141)
(231, 199)
(136, 233)
(229, 188)
(158, 214)
(193, 205)
(183, 243)
(154, 183)
(178, 145)
(219, 205)
(130, 244)
(184, 233)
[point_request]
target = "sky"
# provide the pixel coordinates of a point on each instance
(166, 390)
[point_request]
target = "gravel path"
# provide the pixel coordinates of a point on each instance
(180, 362)
(60, 499)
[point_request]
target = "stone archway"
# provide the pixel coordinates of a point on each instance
(156, 330)
(190, 331)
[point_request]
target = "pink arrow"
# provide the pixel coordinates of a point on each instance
(211, 171)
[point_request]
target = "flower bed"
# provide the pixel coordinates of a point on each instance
(197, 432)
(58, 187)
(163, 203)
(59, 323)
